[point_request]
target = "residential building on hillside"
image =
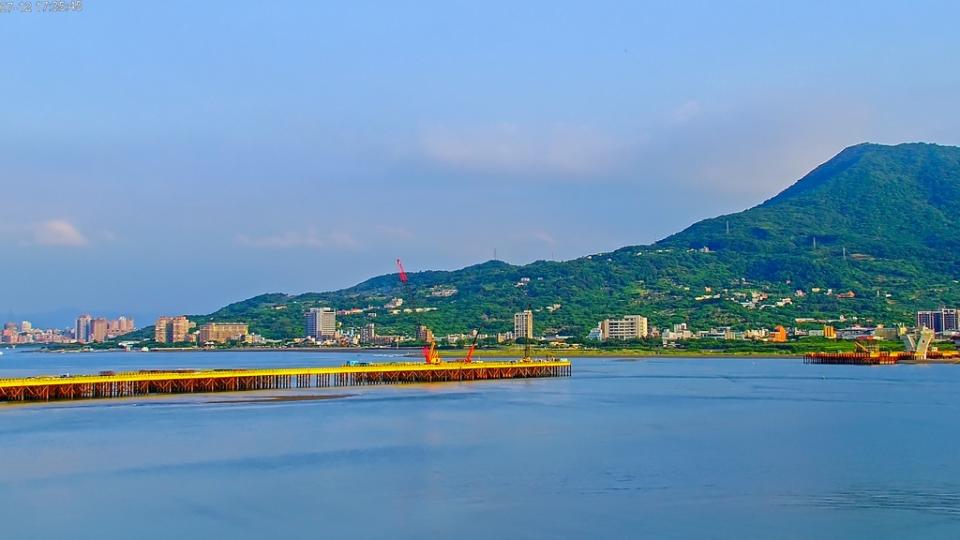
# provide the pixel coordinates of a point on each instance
(321, 323)
(523, 324)
(222, 332)
(367, 333)
(629, 327)
(424, 334)
(172, 329)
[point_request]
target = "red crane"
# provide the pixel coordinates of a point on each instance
(473, 346)
(403, 273)
(430, 353)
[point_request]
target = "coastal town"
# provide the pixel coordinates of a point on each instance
(322, 329)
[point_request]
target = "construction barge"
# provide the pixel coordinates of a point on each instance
(884, 358)
(918, 349)
(867, 353)
(856, 358)
(108, 384)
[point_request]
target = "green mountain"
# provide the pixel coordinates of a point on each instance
(878, 221)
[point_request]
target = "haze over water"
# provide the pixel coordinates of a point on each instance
(623, 449)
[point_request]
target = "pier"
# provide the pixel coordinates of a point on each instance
(856, 358)
(152, 382)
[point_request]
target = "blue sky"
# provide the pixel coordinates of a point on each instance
(174, 157)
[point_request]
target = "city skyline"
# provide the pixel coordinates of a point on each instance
(327, 141)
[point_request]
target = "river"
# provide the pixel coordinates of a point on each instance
(650, 448)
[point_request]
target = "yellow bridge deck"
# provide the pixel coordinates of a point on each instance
(145, 382)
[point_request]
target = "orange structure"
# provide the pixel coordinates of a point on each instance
(859, 358)
(779, 335)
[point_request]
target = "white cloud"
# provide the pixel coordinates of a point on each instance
(398, 233)
(310, 239)
(342, 240)
(559, 149)
(543, 236)
(58, 232)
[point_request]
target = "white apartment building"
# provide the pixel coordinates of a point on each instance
(523, 324)
(629, 327)
(322, 323)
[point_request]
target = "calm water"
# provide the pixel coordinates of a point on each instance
(623, 449)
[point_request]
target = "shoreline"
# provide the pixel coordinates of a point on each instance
(414, 352)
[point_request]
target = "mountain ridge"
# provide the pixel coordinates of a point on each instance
(874, 219)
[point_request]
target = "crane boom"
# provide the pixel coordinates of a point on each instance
(430, 353)
(473, 347)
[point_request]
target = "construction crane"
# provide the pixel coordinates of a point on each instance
(473, 346)
(527, 348)
(430, 353)
(404, 279)
(866, 347)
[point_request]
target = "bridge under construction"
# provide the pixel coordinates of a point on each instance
(917, 348)
(152, 382)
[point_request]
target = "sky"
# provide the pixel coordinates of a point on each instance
(173, 157)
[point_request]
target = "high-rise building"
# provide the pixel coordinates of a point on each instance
(321, 323)
(180, 328)
(223, 332)
(629, 327)
(940, 320)
(161, 330)
(98, 330)
(172, 329)
(119, 326)
(26, 326)
(9, 336)
(368, 333)
(82, 328)
(523, 324)
(125, 325)
(424, 334)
